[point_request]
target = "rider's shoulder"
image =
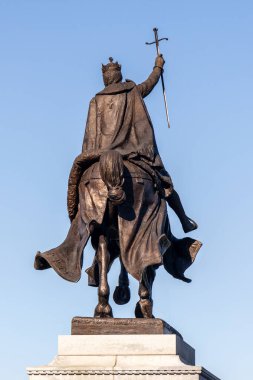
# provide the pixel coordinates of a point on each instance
(129, 83)
(117, 88)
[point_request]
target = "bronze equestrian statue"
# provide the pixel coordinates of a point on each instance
(117, 193)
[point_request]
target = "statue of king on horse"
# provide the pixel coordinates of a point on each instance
(117, 195)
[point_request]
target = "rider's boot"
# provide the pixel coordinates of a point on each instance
(175, 203)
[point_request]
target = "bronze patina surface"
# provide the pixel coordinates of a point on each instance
(117, 194)
(115, 326)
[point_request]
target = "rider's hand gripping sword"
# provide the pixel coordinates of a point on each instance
(158, 53)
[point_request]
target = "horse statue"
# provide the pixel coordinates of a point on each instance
(117, 194)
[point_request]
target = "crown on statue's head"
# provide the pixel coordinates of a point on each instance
(111, 66)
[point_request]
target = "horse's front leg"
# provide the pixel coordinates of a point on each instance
(103, 309)
(144, 307)
(121, 293)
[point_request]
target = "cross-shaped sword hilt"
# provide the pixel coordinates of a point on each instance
(157, 40)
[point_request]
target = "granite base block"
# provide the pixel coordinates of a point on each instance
(118, 357)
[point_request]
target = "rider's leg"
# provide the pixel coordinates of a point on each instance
(175, 203)
(103, 308)
(144, 307)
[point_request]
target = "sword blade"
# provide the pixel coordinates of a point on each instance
(165, 101)
(162, 80)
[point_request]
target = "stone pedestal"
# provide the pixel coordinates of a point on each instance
(118, 357)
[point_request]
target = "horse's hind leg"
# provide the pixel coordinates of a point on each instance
(144, 307)
(103, 309)
(121, 293)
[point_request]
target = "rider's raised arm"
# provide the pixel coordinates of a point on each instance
(147, 86)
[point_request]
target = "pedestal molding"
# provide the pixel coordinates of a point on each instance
(170, 371)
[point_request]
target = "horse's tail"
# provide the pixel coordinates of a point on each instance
(111, 170)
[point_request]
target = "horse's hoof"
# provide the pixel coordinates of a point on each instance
(121, 295)
(143, 309)
(103, 311)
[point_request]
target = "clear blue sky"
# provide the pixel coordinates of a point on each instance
(51, 52)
